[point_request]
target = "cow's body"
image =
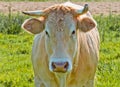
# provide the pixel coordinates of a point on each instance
(84, 62)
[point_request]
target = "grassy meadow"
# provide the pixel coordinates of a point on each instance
(15, 50)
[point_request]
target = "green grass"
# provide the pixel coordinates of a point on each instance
(15, 63)
(15, 50)
(62, 0)
(109, 65)
(11, 24)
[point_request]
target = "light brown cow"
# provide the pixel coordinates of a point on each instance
(66, 46)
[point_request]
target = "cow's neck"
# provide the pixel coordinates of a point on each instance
(61, 79)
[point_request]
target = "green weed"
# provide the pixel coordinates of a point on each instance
(11, 24)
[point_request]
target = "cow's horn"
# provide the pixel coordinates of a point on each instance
(34, 13)
(84, 10)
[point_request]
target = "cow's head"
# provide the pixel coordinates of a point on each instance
(61, 25)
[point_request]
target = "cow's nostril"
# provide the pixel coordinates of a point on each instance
(66, 65)
(53, 65)
(60, 66)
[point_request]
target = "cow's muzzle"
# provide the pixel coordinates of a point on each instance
(60, 65)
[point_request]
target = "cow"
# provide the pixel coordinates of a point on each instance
(65, 50)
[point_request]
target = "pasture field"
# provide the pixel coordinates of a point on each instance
(15, 50)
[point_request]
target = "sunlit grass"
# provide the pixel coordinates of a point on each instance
(15, 63)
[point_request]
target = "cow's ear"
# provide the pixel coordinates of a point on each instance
(33, 25)
(86, 24)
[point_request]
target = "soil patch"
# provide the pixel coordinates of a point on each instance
(104, 8)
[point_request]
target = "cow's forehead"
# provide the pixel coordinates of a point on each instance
(60, 18)
(60, 21)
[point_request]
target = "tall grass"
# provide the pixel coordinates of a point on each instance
(15, 49)
(109, 26)
(11, 24)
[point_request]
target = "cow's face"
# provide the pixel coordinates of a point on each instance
(61, 30)
(61, 41)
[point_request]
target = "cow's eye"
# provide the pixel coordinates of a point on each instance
(46, 33)
(73, 32)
